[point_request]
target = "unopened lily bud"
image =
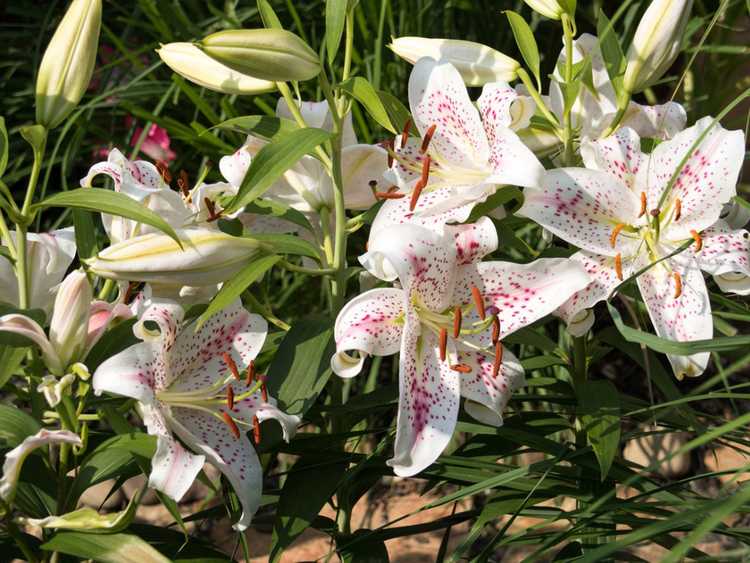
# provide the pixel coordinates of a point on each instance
(68, 62)
(267, 54)
(190, 62)
(478, 64)
(548, 8)
(656, 43)
(70, 317)
(207, 257)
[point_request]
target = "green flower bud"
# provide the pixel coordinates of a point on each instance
(68, 62)
(267, 54)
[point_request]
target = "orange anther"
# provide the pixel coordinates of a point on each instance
(615, 232)
(677, 284)
(498, 359)
(250, 376)
(698, 240)
(405, 132)
(461, 368)
(163, 169)
(263, 390)
(230, 397)
(184, 184)
(389, 195)
(443, 343)
(231, 423)
(677, 209)
(456, 321)
(256, 430)
(418, 187)
(389, 148)
(231, 365)
(643, 204)
(495, 329)
(427, 138)
(478, 301)
(618, 266)
(213, 214)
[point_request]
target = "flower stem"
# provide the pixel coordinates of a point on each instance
(526, 79)
(568, 149)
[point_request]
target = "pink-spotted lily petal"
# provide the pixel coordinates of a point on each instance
(582, 207)
(173, 468)
(428, 401)
(733, 282)
(318, 114)
(724, 250)
(132, 373)
(254, 405)
(101, 316)
(501, 106)
(487, 395)
(234, 457)
(522, 293)
(682, 318)
(655, 122)
(423, 260)
(473, 241)
(601, 270)
(14, 459)
(705, 183)
(156, 145)
(360, 164)
(28, 328)
(371, 323)
(619, 155)
(234, 166)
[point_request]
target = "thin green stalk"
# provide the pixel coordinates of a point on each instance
(303, 270)
(534, 93)
(5, 235)
(567, 126)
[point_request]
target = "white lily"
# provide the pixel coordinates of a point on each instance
(446, 320)
(14, 459)
(141, 181)
(48, 256)
(184, 381)
(471, 152)
(619, 212)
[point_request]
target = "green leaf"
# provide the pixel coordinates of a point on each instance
(722, 344)
(335, 20)
(85, 233)
(280, 211)
(287, 244)
(10, 358)
(15, 426)
(397, 112)
(107, 201)
(273, 160)
(362, 91)
(3, 146)
(301, 366)
(300, 502)
(115, 340)
(86, 518)
(600, 408)
(35, 135)
(110, 548)
(234, 287)
(614, 59)
(363, 551)
(269, 17)
(526, 43)
(263, 126)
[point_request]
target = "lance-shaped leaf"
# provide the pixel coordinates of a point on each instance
(335, 20)
(600, 406)
(526, 42)
(110, 548)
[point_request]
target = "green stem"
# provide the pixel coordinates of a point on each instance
(286, 93)
(325, 227)
(309, 271)
(534, 93)
(568, 149)
(5, 235)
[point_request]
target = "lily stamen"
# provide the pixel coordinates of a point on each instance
(644, 203)
(405, 132)
(230, 397)
(478, 301)
(427, 138)
(443, 343)
(615, 232)
(618, 266)
(498, 359)
(677, 209)
(263, 389)
(231, 423)
(250, 373)
(698, 240)
(213, 214)
(388, 145)
(461, 368)
(677, 284)
(256, 430)
(184, 184)
(457, 321)
(163, 169)
(495, 329)
(231, 365)
(389, 195)
(418, 187)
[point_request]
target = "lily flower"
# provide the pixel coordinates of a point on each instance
(14, 459)
(48, 256)
(625, 214)
(143, 182)
(156, 145)
(189, 383)
(447, 320)
(470, 151)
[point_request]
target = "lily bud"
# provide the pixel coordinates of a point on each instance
(68, 62)
(208, 257)
(548, 8)
(478, 64)
(68, 328)
(656, 43)
(267, 54)
(190, 62)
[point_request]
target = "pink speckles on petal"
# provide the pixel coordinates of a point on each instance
(474, 241)
(724, 250)
(619, 155)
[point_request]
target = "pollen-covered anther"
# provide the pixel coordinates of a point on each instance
(476, 295)
(250, 376)
(389, 195)
(495, 329)
(183, 183)
(230, 397)
(418, 187)
(677, 284)
(461, 368)
(263, 389)
(677, 209)
(405, 132)
(388, 145)
(618, 266)
(655, 212)
(698, 240)
(256, 430)
(163, 169)
(213, 214)
(457, 321)
(615, 233)
(229, 421)
(644, 203)
(231, 365)
(498, 361)
(443, 343)
(427, 138)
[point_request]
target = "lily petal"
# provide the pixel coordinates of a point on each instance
(724, 250)
(486, 395)
(656, 122)
(371, 323)
(254, 405)
(361, 164)
(234, 457)
(474, 241)
(101, 315)
(619, 155)
(502, 106)
(132, 372)
(428, 401)
(685, 318)
(28, 328)
(582, 207)
(733, 282)
(234, 166)
(318, 114)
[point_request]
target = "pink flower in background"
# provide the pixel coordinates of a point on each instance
(155, 145)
